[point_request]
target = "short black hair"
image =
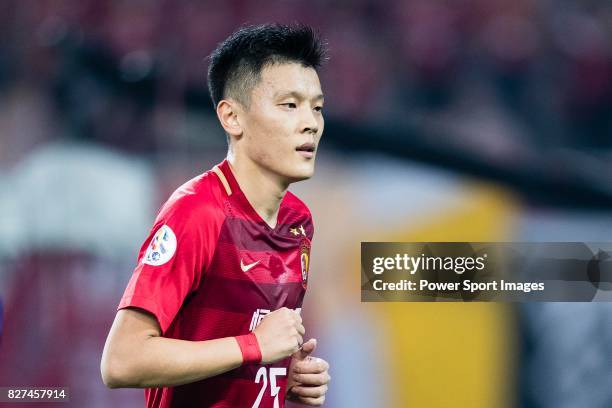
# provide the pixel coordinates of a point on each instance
(236, 63)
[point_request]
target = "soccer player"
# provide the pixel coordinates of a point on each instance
(211, 315)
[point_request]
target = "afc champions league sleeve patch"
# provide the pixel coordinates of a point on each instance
(162, 247)
(304, 260)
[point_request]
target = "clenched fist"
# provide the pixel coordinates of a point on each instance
(279, 335)
(308, 377)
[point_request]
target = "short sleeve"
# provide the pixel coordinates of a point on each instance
(170, 263)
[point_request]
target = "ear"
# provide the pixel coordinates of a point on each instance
(227, 112)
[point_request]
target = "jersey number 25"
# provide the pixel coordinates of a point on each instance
(262, 376)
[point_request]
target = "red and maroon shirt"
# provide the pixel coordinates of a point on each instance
(211, 267)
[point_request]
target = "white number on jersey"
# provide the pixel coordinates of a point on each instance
(262, 376)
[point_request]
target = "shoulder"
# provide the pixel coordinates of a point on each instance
(199, 199)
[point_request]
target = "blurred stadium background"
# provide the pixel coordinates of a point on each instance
(482, 120)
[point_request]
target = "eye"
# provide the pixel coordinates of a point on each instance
(289, 105)
(318, 108)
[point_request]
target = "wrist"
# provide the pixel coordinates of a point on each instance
(249, 347)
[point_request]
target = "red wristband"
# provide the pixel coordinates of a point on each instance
(250, 348)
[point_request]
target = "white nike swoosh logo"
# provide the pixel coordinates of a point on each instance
(246, 268)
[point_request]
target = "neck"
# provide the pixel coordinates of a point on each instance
(263, 189)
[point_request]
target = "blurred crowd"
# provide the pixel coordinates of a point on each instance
(519, 74)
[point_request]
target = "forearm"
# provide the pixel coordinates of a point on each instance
(158, 361)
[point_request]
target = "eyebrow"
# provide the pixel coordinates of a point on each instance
(296, 95)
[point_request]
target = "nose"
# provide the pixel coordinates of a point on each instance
(309, 122)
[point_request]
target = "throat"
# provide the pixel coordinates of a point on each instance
(267, 210)
(270, 219)
(263, 192)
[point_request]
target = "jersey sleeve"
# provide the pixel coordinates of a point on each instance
(170, 262)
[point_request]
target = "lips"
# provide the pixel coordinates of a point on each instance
(306, 147)
(306, 150)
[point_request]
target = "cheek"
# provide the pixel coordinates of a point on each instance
(271, 133)
(264, 143)
(261, 154)
(266, 127)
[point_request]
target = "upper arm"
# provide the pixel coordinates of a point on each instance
(134, 323)
(171, 261)
(130, 329)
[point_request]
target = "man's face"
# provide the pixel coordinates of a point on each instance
(284, 122)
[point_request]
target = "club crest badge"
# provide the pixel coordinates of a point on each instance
(162, 247)
(304, 260)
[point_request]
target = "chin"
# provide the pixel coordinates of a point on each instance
(299, 174)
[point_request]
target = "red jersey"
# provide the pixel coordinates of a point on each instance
(211, 267)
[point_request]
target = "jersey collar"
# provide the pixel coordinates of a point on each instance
(232, 188)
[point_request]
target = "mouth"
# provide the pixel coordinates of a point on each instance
(306, 150)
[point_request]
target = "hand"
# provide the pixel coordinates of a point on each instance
(279, 335)
(308, 376)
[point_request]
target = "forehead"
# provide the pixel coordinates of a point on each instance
(282, 78)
